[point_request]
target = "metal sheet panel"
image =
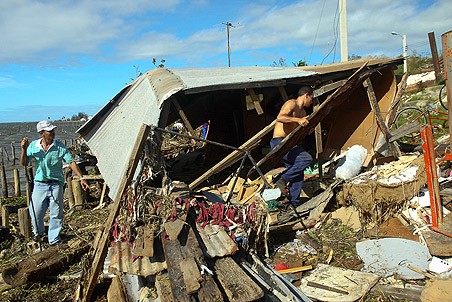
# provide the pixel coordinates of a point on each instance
(113, 141)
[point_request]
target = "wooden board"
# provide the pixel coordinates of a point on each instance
(238, 286)
(163, 286)
(192, 276)
(116, 292)
(356, 284)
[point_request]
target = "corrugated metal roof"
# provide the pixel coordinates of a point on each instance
(112, 132)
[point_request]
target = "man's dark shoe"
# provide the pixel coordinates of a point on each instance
(39, 238)
(282, 186)
(59, 242)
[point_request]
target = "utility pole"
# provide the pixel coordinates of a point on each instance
(228, 24)
(405, 56)
(343, 30)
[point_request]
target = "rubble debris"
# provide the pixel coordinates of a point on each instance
(389, 256)
(329, 283)
(380, 193)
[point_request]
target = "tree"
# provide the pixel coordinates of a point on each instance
(79, 116)
(300, 63)
(160, 65)
(281, 63)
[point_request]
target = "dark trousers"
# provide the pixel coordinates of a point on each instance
(295, 161)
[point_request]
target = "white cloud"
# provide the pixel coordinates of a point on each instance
(38, 32)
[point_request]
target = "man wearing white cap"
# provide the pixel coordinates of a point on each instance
(49, 155)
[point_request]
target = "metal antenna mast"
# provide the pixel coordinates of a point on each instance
(228, 24)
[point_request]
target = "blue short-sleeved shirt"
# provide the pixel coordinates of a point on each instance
(49, 165)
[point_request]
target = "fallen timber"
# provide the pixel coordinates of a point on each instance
(45, 263)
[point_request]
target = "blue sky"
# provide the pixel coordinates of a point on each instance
(58, 58)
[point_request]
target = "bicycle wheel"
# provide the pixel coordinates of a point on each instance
(443, 96)
(407, 116)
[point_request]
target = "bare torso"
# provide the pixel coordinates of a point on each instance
(291, 108)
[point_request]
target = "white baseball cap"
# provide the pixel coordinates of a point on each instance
(45, 126)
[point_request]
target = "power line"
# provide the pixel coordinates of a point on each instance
(317, 30)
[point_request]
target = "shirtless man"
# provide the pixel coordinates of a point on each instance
(291, 115)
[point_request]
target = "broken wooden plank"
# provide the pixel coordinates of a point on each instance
(163, 286)
(117, 291)
(174, 257)
(99, 250)
(234, 156)
(283, 93)
(37, 266)
(209, 291)
(183, 116)
(122, 260)
(191, 274)
(380, 121)
(173, 228)
(237, 285)
(256, 102)
(216, 241)
(273, 157)
(328, 87)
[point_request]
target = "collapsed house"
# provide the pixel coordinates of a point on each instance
(239, 107)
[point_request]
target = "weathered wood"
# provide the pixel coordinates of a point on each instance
(117, 291)
(183, 117)
(102, 194)
(209, 290)
(163, 286)
(328, 87)
(234, 156)
(99, 250)
(173, 256)
(3, 180)
(173, 228)
(380, 121)
(5, 216)
(237, 285)
(273, 157)
(283, 93)
(25, 222)
(16, 183)
(191, 274)
(37, 266)
(79, 196)
(390, 118)
(255, 99)
(13, 154)
(144, 242)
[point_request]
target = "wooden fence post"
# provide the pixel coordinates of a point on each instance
(16, 183)
(5, 216)
(13, 154)
(24, 222)
(79, 197)
(3, 180)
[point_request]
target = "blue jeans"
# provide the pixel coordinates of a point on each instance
(295, 161)
(47, 196)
